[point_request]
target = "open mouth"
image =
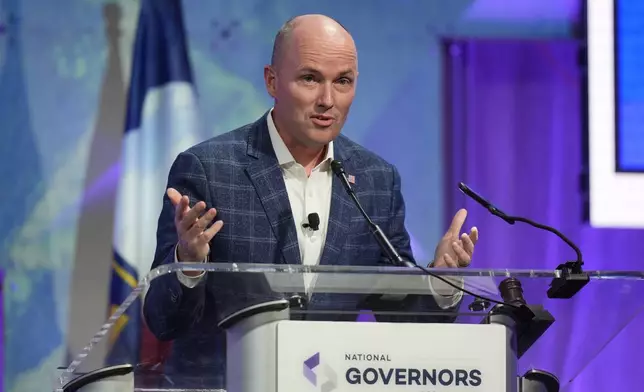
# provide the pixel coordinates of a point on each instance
(322, 121)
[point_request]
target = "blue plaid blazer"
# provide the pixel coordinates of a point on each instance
(238, 174)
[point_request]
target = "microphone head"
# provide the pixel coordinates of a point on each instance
(478, 198)
(337, 167)
(486, 204)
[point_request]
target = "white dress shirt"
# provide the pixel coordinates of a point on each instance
(312, 194)
(307, 195)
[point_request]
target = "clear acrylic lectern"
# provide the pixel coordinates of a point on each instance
(264, 327)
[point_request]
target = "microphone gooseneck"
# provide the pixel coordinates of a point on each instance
(386, 246)
(381, 238)
(573, 278)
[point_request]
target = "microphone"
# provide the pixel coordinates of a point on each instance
(572, 279)
(488, 206)
(314, 221)
(383, 241)
(388, 248)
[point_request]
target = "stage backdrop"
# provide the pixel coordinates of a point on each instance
(515, 136)
(64, 67)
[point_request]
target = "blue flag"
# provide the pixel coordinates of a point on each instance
(161, 122)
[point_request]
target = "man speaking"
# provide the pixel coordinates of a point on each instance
(265, 193)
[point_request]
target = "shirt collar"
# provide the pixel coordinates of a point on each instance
(284, 156)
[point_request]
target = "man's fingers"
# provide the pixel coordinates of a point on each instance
(179, 202)
(207, 235)
(467, 243)
(200, 225)
(474, 235)
(457, 223)
(196, 211)
(174, 196)
(463, 257)
(191, 217)
(449, 261)
(180, 209)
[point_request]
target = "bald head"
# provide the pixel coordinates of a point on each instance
(305, 27)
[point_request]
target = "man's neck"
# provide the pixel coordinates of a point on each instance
(304, 155)
(308, 157)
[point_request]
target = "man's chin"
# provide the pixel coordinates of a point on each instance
(319, 140)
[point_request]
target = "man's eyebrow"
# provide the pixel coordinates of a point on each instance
(309, 70)
(347, 72)
(315, 71)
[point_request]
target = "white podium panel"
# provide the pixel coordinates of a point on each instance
(349, 356)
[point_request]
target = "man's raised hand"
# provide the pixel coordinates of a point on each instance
(455, 249)
(192, 227)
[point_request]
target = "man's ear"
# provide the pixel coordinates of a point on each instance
(270, 79)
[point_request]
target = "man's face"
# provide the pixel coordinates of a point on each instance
(313, 86)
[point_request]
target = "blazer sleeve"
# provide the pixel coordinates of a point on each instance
(170, 308)
(444, 308)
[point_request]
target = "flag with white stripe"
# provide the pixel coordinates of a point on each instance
(162, 121)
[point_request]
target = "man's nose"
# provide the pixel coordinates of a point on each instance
(325, 98)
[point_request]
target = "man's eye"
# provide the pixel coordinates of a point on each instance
(345, 81)
(308, 78)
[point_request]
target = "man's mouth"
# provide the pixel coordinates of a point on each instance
(322, 120)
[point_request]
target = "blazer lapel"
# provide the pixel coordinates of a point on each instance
(265, 174)
(341, 210)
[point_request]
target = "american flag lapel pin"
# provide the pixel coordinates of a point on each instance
(352, 179)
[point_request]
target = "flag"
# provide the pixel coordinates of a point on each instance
(352, 179)
(161, 121)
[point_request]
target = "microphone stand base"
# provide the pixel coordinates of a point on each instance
(536, 380)
(572, 280)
